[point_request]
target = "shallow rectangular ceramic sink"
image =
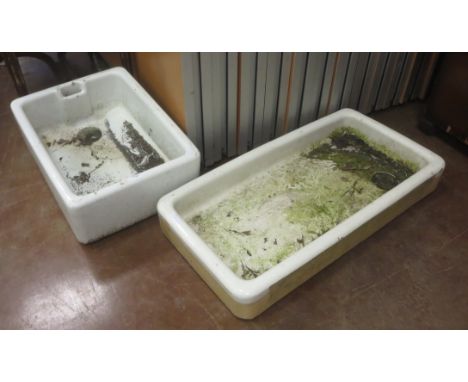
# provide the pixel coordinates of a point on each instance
(106, 149)
(262, 224)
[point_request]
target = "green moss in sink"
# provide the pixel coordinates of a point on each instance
(279, 211)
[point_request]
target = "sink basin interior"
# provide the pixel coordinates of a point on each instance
(92, 153)
(257, 221)
(98, 132)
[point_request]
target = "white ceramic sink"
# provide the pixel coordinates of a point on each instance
(218, 227)
(107, 150)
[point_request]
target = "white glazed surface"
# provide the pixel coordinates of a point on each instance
(179, 205)
(118, 205)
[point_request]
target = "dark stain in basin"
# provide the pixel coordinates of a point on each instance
(139, 153)
(85, 137)
(83, 177)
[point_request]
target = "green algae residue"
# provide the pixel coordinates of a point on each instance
(351, 152)
(279, 211)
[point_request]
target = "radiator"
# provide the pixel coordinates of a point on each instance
(237, 101)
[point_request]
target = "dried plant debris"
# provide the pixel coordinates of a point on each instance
(82, 177)
(139, 153)
(261, 223)
(85, 137)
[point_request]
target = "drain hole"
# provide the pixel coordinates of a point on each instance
(384, 180)
(70, 89)
(88, 135)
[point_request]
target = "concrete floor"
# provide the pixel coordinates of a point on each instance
(413, 273)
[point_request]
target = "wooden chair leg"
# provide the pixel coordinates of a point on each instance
(13, 66)
(127, 62)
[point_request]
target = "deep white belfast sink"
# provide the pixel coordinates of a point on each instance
(107, 150)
